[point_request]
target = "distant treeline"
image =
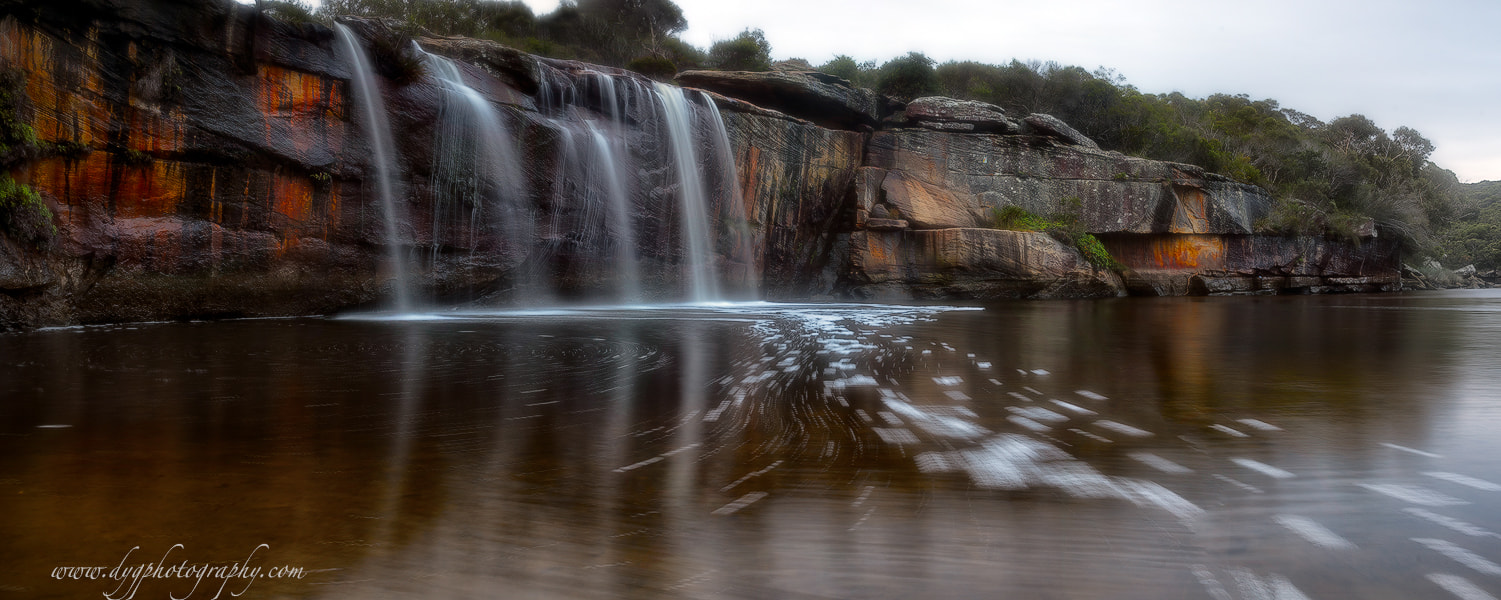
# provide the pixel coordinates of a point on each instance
(1327, 178)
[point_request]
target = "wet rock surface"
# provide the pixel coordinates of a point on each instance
(223, 169)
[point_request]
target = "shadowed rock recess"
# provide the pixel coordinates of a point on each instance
(203, 159)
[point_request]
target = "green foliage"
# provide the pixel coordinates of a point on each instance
(1474, 238)
(395, 58)
(748, 51)
(17, 138)
(133, 158)
(23, 215)
(859, 74)
(907, 77)
(69, 149)
(655, 67)
(609, 32)
(1015, 218)
(1066, 226)
(292, 11)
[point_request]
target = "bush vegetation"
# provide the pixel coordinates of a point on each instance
(1066, 226)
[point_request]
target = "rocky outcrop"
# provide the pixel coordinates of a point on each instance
(1051, 126)
(822, 99)
(970, 263)
(948, 114)
(208, 160)
(1198, 264)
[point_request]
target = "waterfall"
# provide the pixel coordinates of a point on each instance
(694, 207)
(739, 233)
(475, 167)
(624, 243)
(378, 129)
(588, 209)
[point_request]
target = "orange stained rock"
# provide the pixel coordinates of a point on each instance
(305, 108)
(1192, 213)
(100, 178)
(1186, 252)
(750, 173)
(62, 81)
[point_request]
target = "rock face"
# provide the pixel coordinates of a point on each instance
(1051, 126)
(948, 114)
(970, 263)
(825, 100)
(207, 160)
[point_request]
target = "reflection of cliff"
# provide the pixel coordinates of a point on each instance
(205, 161)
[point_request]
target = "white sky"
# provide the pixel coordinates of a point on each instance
(1434, 65)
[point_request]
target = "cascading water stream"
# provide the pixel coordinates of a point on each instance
(620, 217)
(699, 248)
(740, 236)
(379, 131)
(477, 148)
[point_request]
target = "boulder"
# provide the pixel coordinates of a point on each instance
(823, 99)
(1115, 193)
(937, 112)
(926, 206)
(1053, 127)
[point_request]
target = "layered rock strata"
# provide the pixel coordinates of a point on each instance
(205, 160)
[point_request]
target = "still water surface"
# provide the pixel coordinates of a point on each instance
(1240, 448)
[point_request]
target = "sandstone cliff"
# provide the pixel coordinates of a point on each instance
(203, 159)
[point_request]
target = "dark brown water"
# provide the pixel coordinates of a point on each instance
(1242, 448)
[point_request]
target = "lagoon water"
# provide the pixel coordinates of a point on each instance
(1225, 448)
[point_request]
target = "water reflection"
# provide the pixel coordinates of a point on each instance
(1324, 447)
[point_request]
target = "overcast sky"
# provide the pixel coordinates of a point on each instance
(1434, 66)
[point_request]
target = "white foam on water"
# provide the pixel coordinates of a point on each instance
(740, 503)
(896, 436)
(865, 416)
(652, 460)
(983, 365)
(1271, 587)
(1461, 556)
(1122, 428)
(1090, 395)
(1032, 390)
(1016, 462)
(1459, 586)
(1041, 372)
(1092, 436)
(1314, 532)
(1465, 480)
(1413, 494)
(948, 381)
(1259, 424)
(1411, 450)
(1228, 431)
(1237, 483)
(1028, 423)
(956, 395)
(1036, 413)
(1263, 468)
(1018, 396)
(750, 475)
(1159, 463)
(890, 418)
(1211, 583)
(53, 426)
(996, 382)
(1072, 407)
(1449, 522)
(934, 420)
